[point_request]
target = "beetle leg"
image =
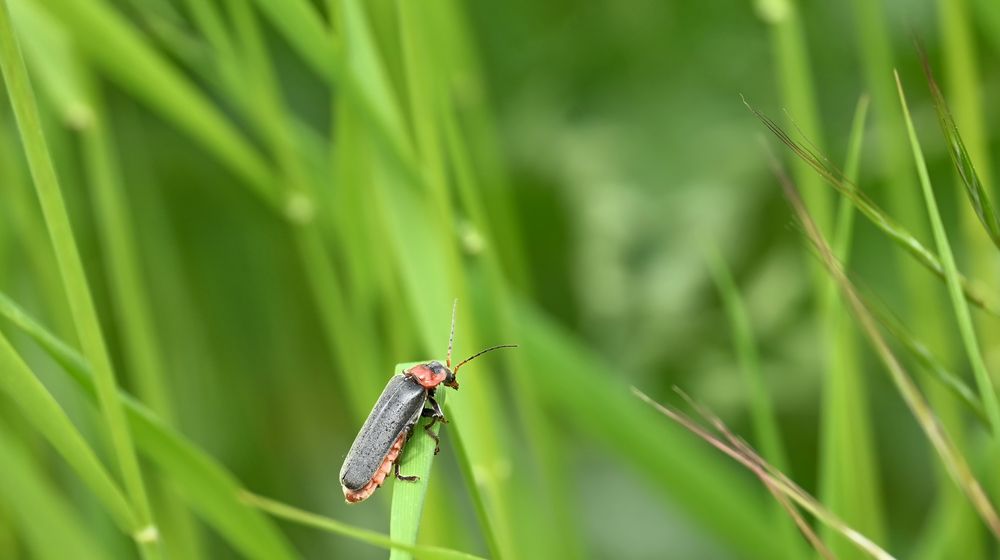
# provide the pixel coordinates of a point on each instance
(395, 469)
(437, 440)
(438, 413)
(428, 413)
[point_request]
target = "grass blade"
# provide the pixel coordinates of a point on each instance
(988, 17)
(408, 497)
(955, 384)
(788, 40)
(50, 53)
(978, 194)
(122, 52)
(987, 392)
(920, 352)
(765, 421)
(953, 460)
(769, 475)
(115, 225)
(850, 484)
(29, 498)
(143, 355)
(875, 37)
(896, 232)
(45, 414)
(74, 279)
(304, 29)
(296, 515)
(570, 378)
(198, 478)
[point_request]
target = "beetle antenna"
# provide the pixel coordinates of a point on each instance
(480, 353)
(451, 337)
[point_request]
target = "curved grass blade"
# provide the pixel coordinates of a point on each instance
(850, 482)
(408, 497)
(896, 232)
(920, 352)
(953, 460)
(51, 55)
(987, 392)
(296, 515)
(303, 27)
(144, 362)
(204, 484)
(978, 194)
(795, 81)
(29, 497)
(121, 51)
(570, 379)
(43, 412)
(765, 421)
(779, 484)
(81, 302)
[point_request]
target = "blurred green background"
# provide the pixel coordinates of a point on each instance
(276, 201)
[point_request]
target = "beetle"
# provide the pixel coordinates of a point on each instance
(379, 443)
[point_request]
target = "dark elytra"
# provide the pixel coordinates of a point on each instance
(397, 408)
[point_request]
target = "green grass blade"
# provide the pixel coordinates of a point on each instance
(762, 410)
(208, 21)
(570, 379)
(428, 74)
(143, 354)
(52, 57)
(45, 414)
(896, 182)
(988, 16)
(895, 231)
(987, 392)
(198, 478)
(408, 497)
(955, 463)
(978, 194)
(122, 53)
(421, 249)
(74, 278)
(920, 352)
(210, 490)
(117, 233)
(371, 537)
(37, 508)
(875, 38)
(765, 422)
(844, 231)
(402, 190)
(302, 26)
(269, 113)
(465, 463)
(364, 71)
(780, 485)
(850, 484)
(791, 53)
(268, 110)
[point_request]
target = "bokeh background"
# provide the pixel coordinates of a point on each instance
(277, 201)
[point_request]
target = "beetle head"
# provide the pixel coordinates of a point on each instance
(449, 373)
(444, 374)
